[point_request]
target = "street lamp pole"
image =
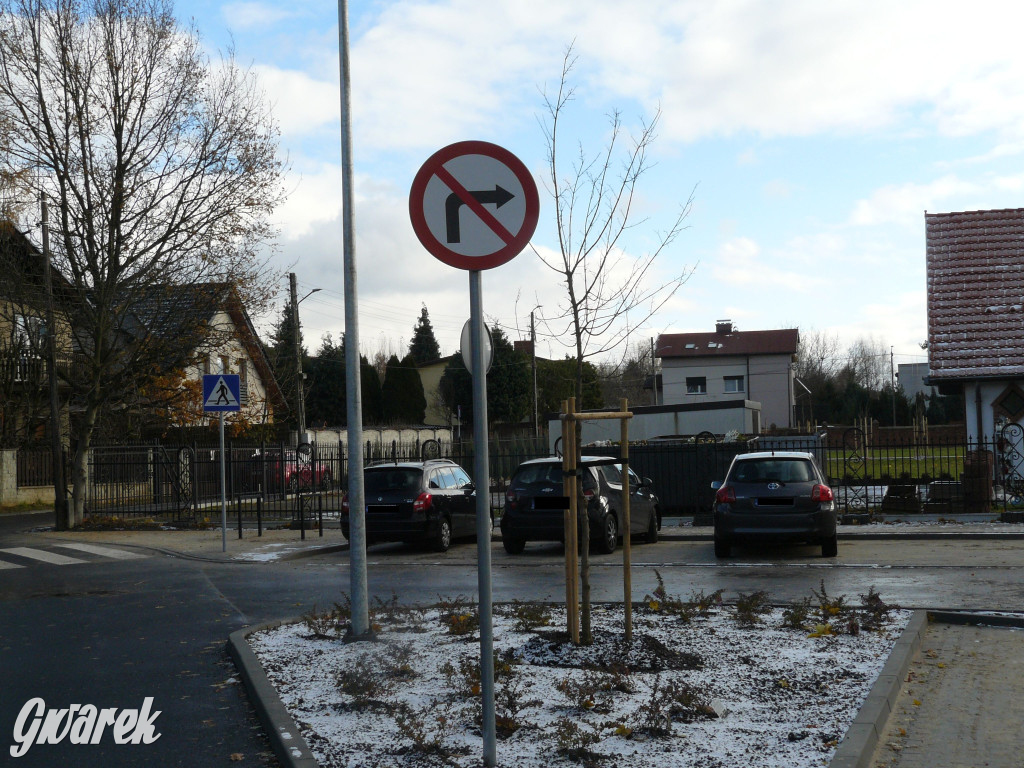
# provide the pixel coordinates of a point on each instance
(296, 336)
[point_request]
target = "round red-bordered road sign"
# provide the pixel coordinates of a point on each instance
(474, 205)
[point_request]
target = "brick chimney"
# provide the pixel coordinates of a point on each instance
(723, 326)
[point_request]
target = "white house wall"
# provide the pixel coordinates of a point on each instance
(767, 379)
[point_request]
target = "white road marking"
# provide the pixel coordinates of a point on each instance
(39, 554)
(116, 554)
(5, 564)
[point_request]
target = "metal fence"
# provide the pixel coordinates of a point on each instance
(276, 484)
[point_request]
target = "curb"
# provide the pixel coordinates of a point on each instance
(858, 745)
(285, 738)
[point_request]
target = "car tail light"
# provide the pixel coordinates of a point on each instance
(588, 493)
(344, 503)
(726, 495)
(510, 497)
(423, 502)
(821, 493)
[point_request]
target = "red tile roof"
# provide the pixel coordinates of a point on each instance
(975, 293)
(781, 342)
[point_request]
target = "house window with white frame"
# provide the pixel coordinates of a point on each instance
(29, 333)
(734, 384)
(696, 385)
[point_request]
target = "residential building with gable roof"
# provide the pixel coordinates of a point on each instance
(728, 367)
(975, 267)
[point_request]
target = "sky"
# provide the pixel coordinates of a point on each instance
(812, 137)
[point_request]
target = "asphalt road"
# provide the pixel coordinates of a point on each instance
(111, 632)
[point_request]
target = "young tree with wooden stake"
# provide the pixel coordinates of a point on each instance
(608, 291)
(160, 171)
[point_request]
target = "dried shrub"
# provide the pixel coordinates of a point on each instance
(428, 728)
(574, 741)
(323, 624)
(366, 683)
(529, 616)
(874, 612)
(797, 615)
(458, 615)
(750, 608)
(397, 662)
(398, 617)
(670, 701)
(699, 604)
(464, 680)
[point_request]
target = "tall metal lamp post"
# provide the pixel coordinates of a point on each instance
(299, 375)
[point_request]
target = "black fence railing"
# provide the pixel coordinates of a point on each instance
(276, 482)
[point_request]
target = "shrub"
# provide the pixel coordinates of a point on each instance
(573, 741)
(322, 624)
(529, 616)
(797, 615)
(365, 682)
(458, 615)
(427, 728)
(750, 608)
(669, 701)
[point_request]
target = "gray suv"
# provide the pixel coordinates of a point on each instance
(416, 501)
(775, 496)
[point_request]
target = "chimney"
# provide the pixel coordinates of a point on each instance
(723, 326)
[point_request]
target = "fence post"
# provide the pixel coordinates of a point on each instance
(320, 509)
(238, 506)
(259, 516)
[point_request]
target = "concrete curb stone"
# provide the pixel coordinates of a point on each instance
(282, 731)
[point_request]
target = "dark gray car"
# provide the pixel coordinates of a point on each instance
(527, 519)
(774, 496)
(425, 501)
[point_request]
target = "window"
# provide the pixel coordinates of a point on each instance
(734, 384)
(29, 332)
(696, 385)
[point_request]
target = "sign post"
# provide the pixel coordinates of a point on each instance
(474, 206)
(222, 394)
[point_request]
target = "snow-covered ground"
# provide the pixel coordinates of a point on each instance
(695, 687)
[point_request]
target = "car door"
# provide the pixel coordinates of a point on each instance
(641, 504)
(463, 501)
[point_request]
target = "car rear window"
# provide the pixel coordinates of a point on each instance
(532, 474)
(391, 480)
(780, 470)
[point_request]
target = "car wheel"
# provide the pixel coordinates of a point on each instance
(830, 547)
(513, 545)
(609, 535)
(722, 547)
(443, 537)
(652, 529)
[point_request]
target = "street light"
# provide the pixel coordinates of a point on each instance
(298, 355)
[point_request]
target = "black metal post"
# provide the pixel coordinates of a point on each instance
(320, 509)
(259, 515)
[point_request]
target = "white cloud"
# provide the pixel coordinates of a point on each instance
(254, 14)
(905, 204)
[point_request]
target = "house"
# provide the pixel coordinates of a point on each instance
(196, 330)
(24, 391)
(731, 369)
(975, 267)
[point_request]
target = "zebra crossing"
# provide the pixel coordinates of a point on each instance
(54, 554)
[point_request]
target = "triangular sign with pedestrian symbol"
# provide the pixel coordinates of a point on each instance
(221, 396)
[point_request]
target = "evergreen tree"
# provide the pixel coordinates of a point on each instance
(424, 347)
(556, 382)
(509, 384)
(402, 393)
(281, 353)
(325, 385)
(369, 384)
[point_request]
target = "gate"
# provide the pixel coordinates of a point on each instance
(854, 475)
(1011, 463)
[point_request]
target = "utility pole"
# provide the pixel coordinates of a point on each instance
(892, 378)
(60, 488)
(533, 355)
(654, 375)
(298, 359)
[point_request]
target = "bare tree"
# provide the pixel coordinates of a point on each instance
(608, 291)
(160, 169)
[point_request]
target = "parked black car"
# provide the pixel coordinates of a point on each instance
(775, 496)
(426, 501)
(525, 520)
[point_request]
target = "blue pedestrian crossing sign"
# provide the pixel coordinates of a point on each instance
(221, 393)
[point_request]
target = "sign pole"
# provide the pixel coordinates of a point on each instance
(481, 471)
(223, 492)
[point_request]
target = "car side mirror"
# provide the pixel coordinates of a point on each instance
(469, 487)
(646, 481)
(716, 484)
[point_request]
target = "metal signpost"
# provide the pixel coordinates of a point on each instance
(222, 393)
(474, 206)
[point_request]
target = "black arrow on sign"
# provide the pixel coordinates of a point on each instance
(497, 198)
